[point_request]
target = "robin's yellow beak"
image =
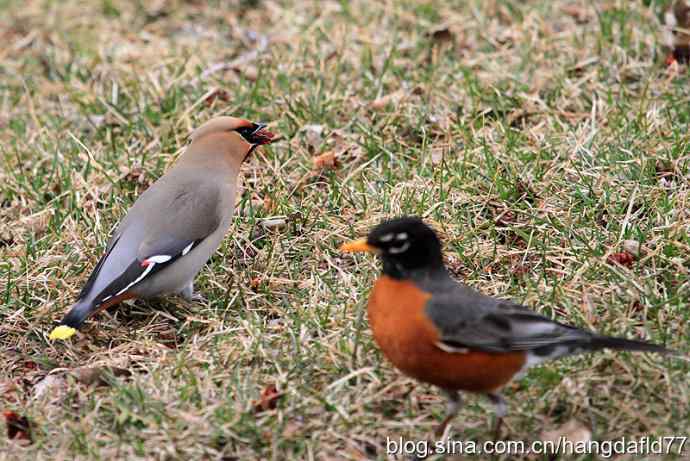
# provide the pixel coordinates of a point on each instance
(358, 246)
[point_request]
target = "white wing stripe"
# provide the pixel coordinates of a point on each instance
(158, 259)
(187, 249)
(150, 263)
(138, 279)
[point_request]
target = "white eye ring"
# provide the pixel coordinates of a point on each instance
(401, 236)
(386, 238)
(398, 250)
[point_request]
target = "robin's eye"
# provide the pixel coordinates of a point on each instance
(400, 249)
(386, 238)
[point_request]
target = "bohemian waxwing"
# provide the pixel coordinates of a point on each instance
(174, 226)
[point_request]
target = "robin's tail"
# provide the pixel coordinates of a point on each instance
(609, 342)
(585, 342)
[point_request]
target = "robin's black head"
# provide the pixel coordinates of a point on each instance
(405, 244)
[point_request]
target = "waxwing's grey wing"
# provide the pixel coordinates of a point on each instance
(94, 274)
(470, 320)
(162, 226)
(191, 214)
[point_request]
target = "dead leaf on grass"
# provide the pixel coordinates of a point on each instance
(51, 384)
(437, 154)
(98, 375)
(313, 135)
(18, 427)
(577, 12)
(37, 222)
(268, 400)
(326, 160)
(622, 258)
(217, 94)
(633, 247)
(393, 98)
(440, 34)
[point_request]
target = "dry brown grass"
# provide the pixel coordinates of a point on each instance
(537, 136)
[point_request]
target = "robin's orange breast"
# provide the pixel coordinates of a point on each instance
(408, 339)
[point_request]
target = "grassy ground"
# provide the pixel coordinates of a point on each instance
(537, 136)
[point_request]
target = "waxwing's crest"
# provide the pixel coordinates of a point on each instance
(253, 133)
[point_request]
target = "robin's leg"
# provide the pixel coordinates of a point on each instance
(501, 411)
(454, 404)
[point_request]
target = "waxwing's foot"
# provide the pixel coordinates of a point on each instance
(190, 295)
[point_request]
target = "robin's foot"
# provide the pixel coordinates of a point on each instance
(501, 410)
(454, 404)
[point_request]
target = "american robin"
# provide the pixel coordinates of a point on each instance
(444, 333)
(174, 226)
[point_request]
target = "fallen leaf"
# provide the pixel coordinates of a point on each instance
(96, 120)
(520, 269)
(588, 307)
(8, 391)
(665, 169)
(633, 247)
(681, 54)
(249, 72)
(578, 13)
(505, 219)
(313, 134)
(51, 384)
(437, 155)
(217, 94)
(670, 59)
(391, 98)
(98, 375)
(6, 238)
(291, 429)
(268, 400)
(268, 203)
(135, 174)
(623, 258)
(274, 223)
(18, 427)
(341, 143)
(325, 161)
(37, 222)
(440, 34)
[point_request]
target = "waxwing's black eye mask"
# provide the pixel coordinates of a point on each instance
(257, 134)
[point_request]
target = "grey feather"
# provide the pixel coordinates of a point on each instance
(469, 319)
(183, 207)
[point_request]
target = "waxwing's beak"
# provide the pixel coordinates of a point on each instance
(256, 134)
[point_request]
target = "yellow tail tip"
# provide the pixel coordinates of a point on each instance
(62, 332)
